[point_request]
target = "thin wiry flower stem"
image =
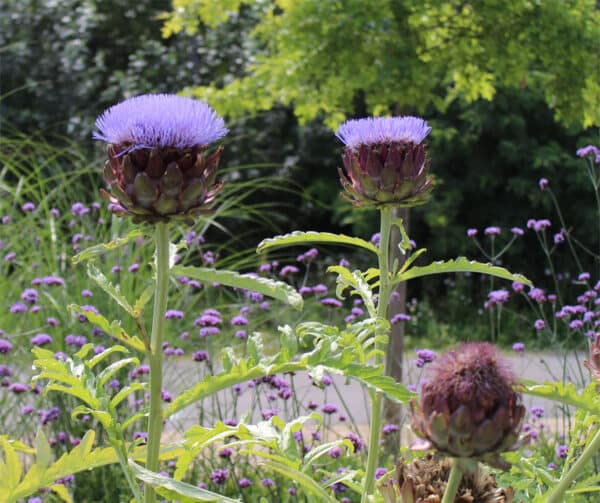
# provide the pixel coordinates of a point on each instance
(155, 419)
(382, 304)
(558, 493)
(453, 482)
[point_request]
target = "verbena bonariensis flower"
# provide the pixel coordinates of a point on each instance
(467, 406)
(157, 169)
(385, 162)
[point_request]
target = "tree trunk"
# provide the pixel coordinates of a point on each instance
(394, 355)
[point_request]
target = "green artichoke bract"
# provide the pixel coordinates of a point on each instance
(467, 406)
(385, 162)
(162, 184)
(157, 167)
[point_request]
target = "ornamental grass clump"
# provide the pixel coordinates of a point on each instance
(157, 168)
(385, 161)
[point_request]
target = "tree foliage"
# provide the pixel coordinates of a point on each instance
(409, 56)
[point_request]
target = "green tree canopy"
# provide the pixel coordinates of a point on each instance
(404, 56)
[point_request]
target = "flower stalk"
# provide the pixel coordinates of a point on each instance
(382, 304)
(453, 482)
(558, 493)
(155, 419)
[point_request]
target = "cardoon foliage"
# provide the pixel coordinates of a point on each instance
(385, 162)
(157, 169)
(467, 406)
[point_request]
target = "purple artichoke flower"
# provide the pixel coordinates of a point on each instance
(385, 162)
(156, 167)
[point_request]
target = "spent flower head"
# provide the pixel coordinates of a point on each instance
(156, 167)
(385, 161)
(467, 406)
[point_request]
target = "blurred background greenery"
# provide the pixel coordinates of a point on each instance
(510, 88)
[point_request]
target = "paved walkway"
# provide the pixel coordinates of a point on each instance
(349, 396)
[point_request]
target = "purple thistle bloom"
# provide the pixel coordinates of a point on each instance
(219, 476)
(543, 183)
(10, 256)
(537, 412)
(239, 320)
(17, 388)
(160, 121)
(492, 231)
(200, 356)
(5, 346)
(397, 318)
(41, 340)
(517, 231)
(75, 340)
(471, 233)
(305, 290)
(427, 355)
(497, 297)
(331, 302)
(18, 307)
(206, 331)
(267, 482)
(561, 451)
(173, 314)
(518, 287)
(589, 150)
(320, 289)
(357, 442)
(584, 276)
(576, 324)
(537, 294)
(288, 269)
(79, 209)
(380, 472)
(518, 347)
(388, 429)
(48, 281)
(86, 293)
(28, 207)
(329, 408)
(376, 130)
(539, 325)
(244, 482)
(142, 436)
(5, 371)
(29, 295)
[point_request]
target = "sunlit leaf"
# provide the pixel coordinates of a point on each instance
(298, 238)
(272, 288)
(460, 264)
(100, 249)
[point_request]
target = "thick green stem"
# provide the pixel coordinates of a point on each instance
(155, 419)
(382, 304)
(557, 495)
(453, 482)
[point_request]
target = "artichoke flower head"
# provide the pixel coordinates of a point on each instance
(385, 162)
(467, 406)
(157, 168)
